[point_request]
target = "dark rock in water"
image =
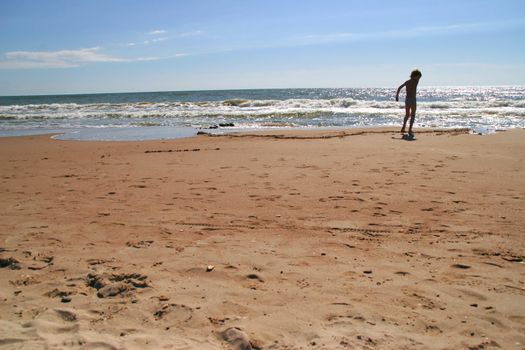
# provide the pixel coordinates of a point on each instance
(11, 263)
(220, 125)
(237, 338)
(112, 289)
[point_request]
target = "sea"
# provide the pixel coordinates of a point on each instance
(174, 114)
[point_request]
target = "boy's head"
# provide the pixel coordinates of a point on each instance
(415, 74)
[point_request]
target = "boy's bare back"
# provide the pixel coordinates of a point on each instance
(411, 88)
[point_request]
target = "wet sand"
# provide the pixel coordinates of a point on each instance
(303, 240)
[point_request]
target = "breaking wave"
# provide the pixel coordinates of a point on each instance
(474, 107)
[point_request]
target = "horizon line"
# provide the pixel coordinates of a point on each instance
(268, 88)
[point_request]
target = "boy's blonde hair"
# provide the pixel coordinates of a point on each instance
(416, 73)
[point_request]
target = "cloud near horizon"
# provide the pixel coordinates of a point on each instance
(61, 58)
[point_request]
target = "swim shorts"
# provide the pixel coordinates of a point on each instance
(411, 101)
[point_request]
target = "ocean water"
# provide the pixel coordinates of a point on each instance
(157, 115)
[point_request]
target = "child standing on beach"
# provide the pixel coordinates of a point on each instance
(410, 99)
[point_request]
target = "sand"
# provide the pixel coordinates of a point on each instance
(304, 240)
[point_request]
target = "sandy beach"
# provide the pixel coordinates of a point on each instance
(338, 239)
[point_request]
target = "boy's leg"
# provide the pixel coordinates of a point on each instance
(412, 117)
(407, 115)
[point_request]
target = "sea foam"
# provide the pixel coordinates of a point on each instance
(482, 109)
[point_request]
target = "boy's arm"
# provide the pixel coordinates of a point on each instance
(399, 89)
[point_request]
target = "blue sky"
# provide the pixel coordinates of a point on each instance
(67, 46)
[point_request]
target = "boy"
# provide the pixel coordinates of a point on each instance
(410, 100)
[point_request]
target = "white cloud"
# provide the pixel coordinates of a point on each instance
(189, 34)
(61, 59)
(156, 40)
(157, 32)
(80, 55)
(451, 29)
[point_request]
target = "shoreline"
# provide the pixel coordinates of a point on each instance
(277, 240)
(480, 109)
(174, 133)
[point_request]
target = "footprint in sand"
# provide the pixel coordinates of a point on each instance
(54, 322)
(110, 285)
(238, 339)
(173, 313)
(139, 244)
(55, 328)
(461, 266)
(254, 276)
(10, 263)
(402, 273)
(65, 296)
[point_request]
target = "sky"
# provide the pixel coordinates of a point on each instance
(100, 46)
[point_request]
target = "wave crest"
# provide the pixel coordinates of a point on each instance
(317, 107)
